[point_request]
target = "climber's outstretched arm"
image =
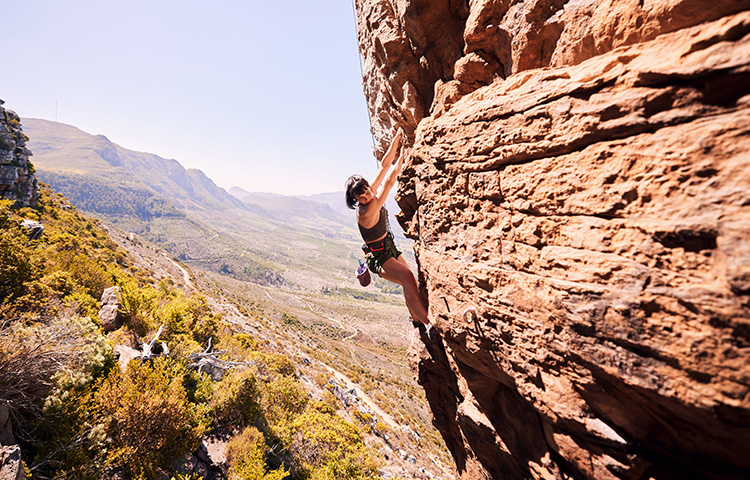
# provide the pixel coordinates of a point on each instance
(387, 160)
(379, 199)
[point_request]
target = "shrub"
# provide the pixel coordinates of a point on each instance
(16, 264)
(86, 272)
(283, 399)
(137, 304)
(236, 398)
(86, 304)
(187, 476)
(188, 316)
(147, 416)
(32, 356)
(247, 341)
(65, 444)
(246, 454)
(198, 387)
(270, 364)
(291, 320)
(328, 447)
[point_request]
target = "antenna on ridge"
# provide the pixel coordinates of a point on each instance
(55, 110)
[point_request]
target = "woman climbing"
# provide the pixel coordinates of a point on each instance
(383, 257)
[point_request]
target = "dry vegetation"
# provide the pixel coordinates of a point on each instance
(76, 414)
(340, 340)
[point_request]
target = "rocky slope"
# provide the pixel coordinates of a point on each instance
(17, 180)
(578, 193)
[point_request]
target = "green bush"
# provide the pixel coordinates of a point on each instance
(199, 387)
(17, 266)
(66, 444)
(328, 447)
(189, 316)
(88, 274)
(147, 417)
(68, 352)
(236, 399)
(246, 454)
(283, 399)
(84, 303)
(247, 341)
(270, 364)
(291, 320)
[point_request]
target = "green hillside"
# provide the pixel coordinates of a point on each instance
(110, 197)
(77, 413)
(64, 149)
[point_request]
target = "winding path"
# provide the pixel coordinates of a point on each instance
(185, 274)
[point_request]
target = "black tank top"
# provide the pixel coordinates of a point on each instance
(378, 231)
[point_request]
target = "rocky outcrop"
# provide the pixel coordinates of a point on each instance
(17, 180)
(578, 195)
(109, 311)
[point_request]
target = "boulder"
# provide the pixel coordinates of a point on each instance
(109, 312)
(124, 354)
(11, 465)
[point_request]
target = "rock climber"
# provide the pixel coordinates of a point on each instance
(383, 257)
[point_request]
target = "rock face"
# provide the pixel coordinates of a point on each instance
(17, 180)
(579, 195)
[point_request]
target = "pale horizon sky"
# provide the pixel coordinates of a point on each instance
(265, 96)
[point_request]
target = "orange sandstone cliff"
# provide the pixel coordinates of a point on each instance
(578, 190)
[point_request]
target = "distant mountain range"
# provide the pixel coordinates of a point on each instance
(309, 241)
(309, 206)
(65, 150)
(68, 159)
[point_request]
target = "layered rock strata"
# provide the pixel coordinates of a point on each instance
(17, 180)
(581, 229)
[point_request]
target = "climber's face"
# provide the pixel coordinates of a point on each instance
(365, 197)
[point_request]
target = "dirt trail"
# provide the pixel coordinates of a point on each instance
(344, 327)
(185, 274)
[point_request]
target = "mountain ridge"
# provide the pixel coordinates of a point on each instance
(64, 148)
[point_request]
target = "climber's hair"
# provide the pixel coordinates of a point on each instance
(355, 186)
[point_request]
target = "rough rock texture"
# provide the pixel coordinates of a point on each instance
(109, 313)
(420, 56)
(17, 180)
(582, 230)
(11, 466)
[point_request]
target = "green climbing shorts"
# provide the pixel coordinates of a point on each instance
(380, 252)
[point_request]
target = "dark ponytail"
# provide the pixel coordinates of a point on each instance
(355, 185)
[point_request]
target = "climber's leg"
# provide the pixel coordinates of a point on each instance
(396, 271)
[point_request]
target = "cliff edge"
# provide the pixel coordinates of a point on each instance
(578, 192)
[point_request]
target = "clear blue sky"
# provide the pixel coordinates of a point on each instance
(264, 95)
